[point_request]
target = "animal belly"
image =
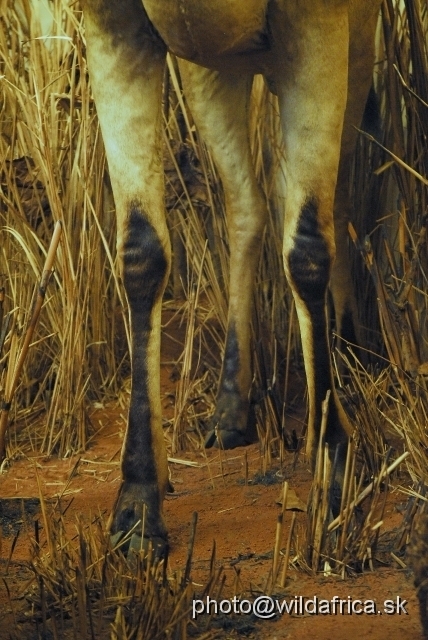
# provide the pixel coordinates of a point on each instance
(203, 29)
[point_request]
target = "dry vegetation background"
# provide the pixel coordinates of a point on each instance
(52, 167)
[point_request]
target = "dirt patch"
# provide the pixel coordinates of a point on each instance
(239, 517)
(235, 495)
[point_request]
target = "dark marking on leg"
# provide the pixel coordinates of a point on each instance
(145, 263)
(231, 408)
(309, 260)
(309, 265)
(347, 328)
(372, 121)
(348, 334)
(230, 370)
(145, 266)
(125, 21)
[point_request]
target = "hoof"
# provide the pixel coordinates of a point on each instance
(233, 424)
(135, 544)
(224, 439)
(137, 520)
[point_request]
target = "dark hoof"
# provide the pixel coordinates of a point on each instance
(170, 488)
(135, 544)
(224, 439)
(138, 520)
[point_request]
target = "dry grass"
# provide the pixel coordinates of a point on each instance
(53, 168)
(85, 589)
(386, 395)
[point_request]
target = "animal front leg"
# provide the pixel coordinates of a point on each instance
(311, 77)
(218, 101)
(126, 62)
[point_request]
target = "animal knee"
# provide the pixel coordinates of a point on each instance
(146, 262)
(308, 260)
(247, 224)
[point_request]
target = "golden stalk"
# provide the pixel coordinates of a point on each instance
(277, 548)
(287, 551)
(39, 297)
(367, 491)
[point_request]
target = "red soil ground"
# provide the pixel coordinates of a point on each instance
(240, 517)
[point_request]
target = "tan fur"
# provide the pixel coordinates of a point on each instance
(201, 30)
(225, 130)
(318, 56)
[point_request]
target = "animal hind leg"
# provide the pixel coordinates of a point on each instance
(218, 101)
(126, 63)
(360, 77)
(311, 78)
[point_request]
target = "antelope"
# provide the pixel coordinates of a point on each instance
(318, 56)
